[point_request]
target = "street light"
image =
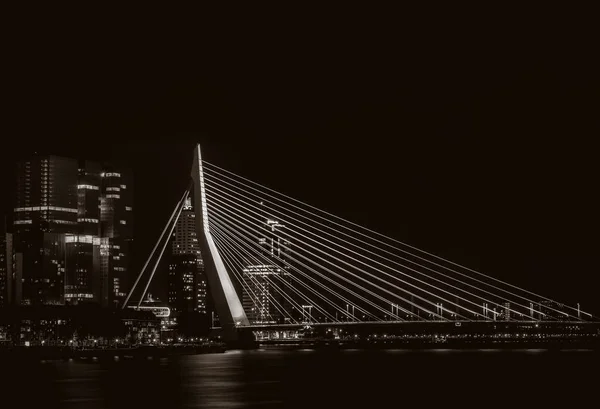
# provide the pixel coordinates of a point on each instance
(348, 310)
(395, 310)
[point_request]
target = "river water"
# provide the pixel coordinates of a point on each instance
(312, 378)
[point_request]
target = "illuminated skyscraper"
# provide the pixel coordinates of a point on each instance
(187, 279)
(82, 246)
(116, 230)
(45, 211)
(69, 220)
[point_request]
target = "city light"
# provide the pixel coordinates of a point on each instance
(275, 270)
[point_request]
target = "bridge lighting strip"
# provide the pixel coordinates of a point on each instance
(395, 262)
(413, 262)
(366, 229)
(361, 278)
(303, 284)
(321, 239)
(182, 200)
(379, 241)
(488, 284)
(499, 305)
(389, 238)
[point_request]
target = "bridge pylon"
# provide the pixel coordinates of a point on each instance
(227, 303)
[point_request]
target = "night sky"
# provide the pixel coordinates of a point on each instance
(472, 140)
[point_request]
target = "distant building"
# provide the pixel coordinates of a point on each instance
(187, 281)
(45, 211)
(116, 230)
(5, 267)
(267, 286)
(142, 327)
(82, 244)
(72, 226)
(505, 312)
(552, 310)
(263, 299)
(183, 275)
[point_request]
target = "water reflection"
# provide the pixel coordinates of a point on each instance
(305, 378)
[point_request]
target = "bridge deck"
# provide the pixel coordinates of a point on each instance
(424, 324)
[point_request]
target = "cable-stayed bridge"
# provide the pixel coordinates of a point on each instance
(276, 263)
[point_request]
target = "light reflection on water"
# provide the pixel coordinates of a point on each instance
(306, 378)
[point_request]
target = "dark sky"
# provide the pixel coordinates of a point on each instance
(470, 138)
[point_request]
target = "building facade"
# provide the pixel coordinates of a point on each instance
(6, 264)
(263, 299)
(116, 229)
(72, 226)
(183, 272)
(267, 293)
(187, 281)
(82, 246)
(45, 211)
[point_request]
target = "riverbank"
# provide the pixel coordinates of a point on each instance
(49, 353)
(591, 344)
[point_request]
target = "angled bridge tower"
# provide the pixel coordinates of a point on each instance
(227, 303)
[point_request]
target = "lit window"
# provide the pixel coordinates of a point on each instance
(71, 238)
(87, 220)
(123, 187)
(87, 187)
(113, 189)
(113, 196)
(123, 221)
(111, 174)
(128, 208)
(23, 222)
(37, 208)
(63, 222)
